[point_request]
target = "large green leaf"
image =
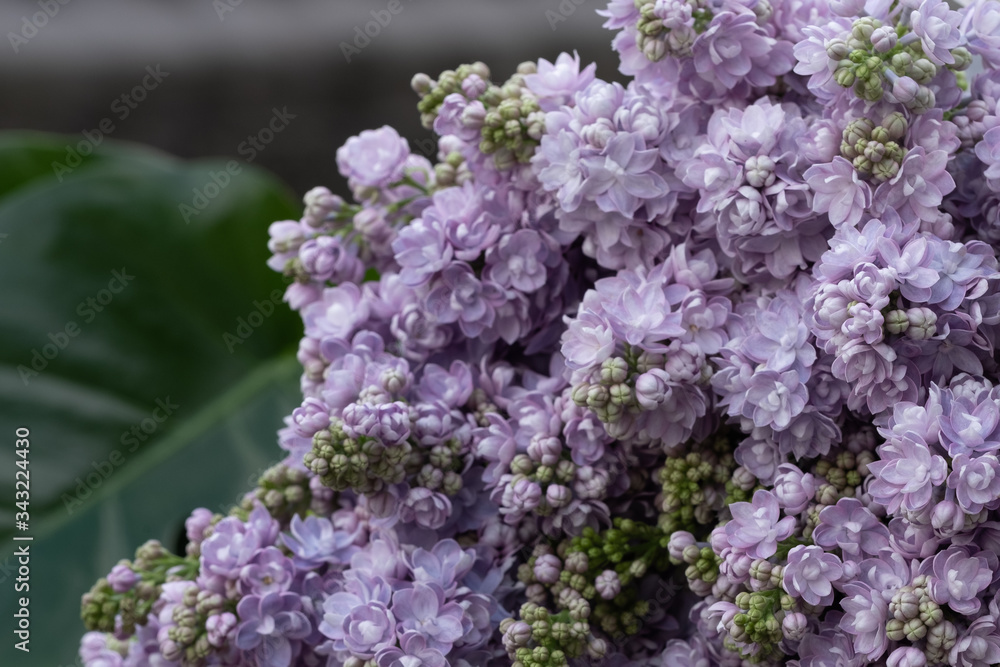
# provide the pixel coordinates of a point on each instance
(141, 312)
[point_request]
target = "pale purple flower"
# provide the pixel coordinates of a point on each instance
(95, 652)
(422, 250)
(233, 544)
(959, 578)
(312, 416)
(221, 628)
(496, 445)
(773, 398)
(969, 426)
(906, 656)
(122, 578)
(734, 49)
(982, 28)
(423, 609)
(413, 651)
(937, 26)
(445, 564)
(429, 509)
(315, 541)
(780, 338)
(272, 626)
(386, 422)
(793, 488)
(865, 614)
(852, 527)
(326, 259)
(978, 646)
(358, 618)
(810, 574)
(338, 312)
(270, 571)
(555, 84)
(547, 568)
(520, 261)
(458, 296)
(905, 474)
(757, 527)
(587, 341)
(623, 175)
(840, 192)
(976, 482)
(374, 158)
(917, 190)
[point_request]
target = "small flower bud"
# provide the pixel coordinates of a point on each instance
(794, 626)
(614, 370)
(607, 584)
(883, 39)
(923, 323)
(837, 49)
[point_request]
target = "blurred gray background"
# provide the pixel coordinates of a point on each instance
(231, 61)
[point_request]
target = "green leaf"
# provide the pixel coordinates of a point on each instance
(210, 460)
(125, 315)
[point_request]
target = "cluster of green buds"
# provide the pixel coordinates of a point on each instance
(741, 486)
(873, 55)
(840, 477)
(593, 581)
(189, 640)
(610, 392)
(912, 612)
(941, 638)
(453, 171)
(657, 38)
(702, 566)
(543, 639)
(126, 596)
(284, 491)
(432, 92)
(438, 468)
(511, 123)
(480, 406)
(514, 123)
(875, 150)
(692, 486)
(756, 630)
(364, 465)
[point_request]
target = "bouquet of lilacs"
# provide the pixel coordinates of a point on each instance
(698, 370)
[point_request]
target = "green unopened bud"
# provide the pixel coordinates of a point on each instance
(614, 371)
(922, 70)
(837, 49)
(895, 124)
(844, 76)
(963, 59)
(621, 394)
(864, 27)
(885, 170)
(597, 396)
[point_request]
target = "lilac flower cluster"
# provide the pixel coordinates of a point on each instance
(695, 370)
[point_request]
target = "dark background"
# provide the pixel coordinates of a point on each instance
(227, 73)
